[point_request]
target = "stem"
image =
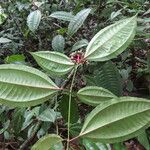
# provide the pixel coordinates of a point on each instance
(69, 108)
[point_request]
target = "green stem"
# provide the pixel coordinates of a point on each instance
(69, 108)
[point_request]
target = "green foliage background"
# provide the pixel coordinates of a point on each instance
(127, 74)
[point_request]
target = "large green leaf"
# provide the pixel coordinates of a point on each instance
(33, 20)
(78, 21)
(47, 142)
(24, 86)
(112, 40)
(118, 120)
(94, 95)
(108, 77)
(62, 15)
(58, 43)
(55, 63)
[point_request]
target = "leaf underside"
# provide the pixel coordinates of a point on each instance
(120, 120)
(55, 63)
(77, 21)
(58, 43)
(34, 19)
(93, 95)
(24, 86)
(111, 41)
(62, 15)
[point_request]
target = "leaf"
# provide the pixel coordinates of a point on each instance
(24, 86)
(112, 40)
(130, 86)
(62, 15)
(23, 6)
(19, 118)
(64, 104)
(79, 44)
(5, 126)
(62, 31)
(47, 142)
(28, 115)
(77, 21)
(115, 14)
(4, 40)
(47, 115)
(19, 58)
(107, 77)
(75, 128)
(58, 43)
(93, 95)
(33, 20)
(2, 17)
(55, 63)
(89, 145)
(38, 4)
(125, 74)
(7, 135)
(58, 146)
(147, 12)
(31, 130)
(143, 139)
(120, 120)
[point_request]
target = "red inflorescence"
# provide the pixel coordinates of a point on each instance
(78, 58)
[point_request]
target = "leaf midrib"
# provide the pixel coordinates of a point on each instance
(26, 85)
(112, 96)
(60, 63)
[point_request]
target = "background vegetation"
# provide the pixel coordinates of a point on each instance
(128, 74)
